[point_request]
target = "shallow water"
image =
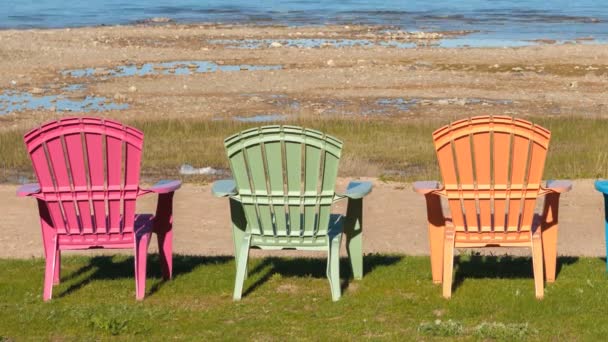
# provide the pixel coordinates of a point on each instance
(166, 68)
(261, 118)
(13, 101)
(306, 43)
(500, 22)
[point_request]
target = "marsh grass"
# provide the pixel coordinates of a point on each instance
(289, 298)
(390, 149)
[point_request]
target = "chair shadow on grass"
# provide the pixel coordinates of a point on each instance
(479, 266)
(313, 267)
(104, 267)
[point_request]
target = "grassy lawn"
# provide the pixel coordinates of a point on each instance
(288, 298)
(394, 149)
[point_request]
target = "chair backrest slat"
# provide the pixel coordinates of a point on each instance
(464, 169)
(76, 159)
(79, 163)
(95, 152)
(492, 168)
(114, 184)
(286, 177)
(63, 187)
(293, 163)
(483, 175)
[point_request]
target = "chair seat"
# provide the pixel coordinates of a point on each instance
(143, 226)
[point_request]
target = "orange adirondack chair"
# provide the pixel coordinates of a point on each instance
(491, 168)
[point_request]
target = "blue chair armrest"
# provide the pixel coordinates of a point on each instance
(162, 187)
(425, 187)
(28, 189)
(601, 186)
(224, 188)
(559, 186)
(357, 189)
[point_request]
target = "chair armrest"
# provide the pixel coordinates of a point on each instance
(162, 187)
(28, 190)
(356, 189)
(224, 188)
(426, 187)
(601, 186)
(558, 186)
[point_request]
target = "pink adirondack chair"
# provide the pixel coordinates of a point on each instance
(492, 168)
(88, 174)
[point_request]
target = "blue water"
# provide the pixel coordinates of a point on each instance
(306, 43)
(498, 21)
(13, 101)
(167, 68)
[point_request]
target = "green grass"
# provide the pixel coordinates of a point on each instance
(287, 298)
(392, 149)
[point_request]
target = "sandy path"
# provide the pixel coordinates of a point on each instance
(394, 218)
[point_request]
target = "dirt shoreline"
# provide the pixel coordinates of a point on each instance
(420, 83)
(394, 222)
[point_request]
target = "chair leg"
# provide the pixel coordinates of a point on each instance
(448, 263)
(239, 228)
(606, 238)
(606, 227)
(549, 235)
(165, 250)
(238, 236)
(436, 231)
(241, 268)
(333, 268)
(141, 255)
(49, 272)
(57, 273)
(537, 262)
(353, 230)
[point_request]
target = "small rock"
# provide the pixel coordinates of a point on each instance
(496, 66)
(119, 97)
(13, 82)
(331, 62)
(423, 64)
(460, 102)
(517, 69)
(161, 20)
(573, 84)
(443, 102)
(132, 89)
(275, 44)
(37, 91)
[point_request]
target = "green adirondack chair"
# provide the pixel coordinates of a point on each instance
(281, 198)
